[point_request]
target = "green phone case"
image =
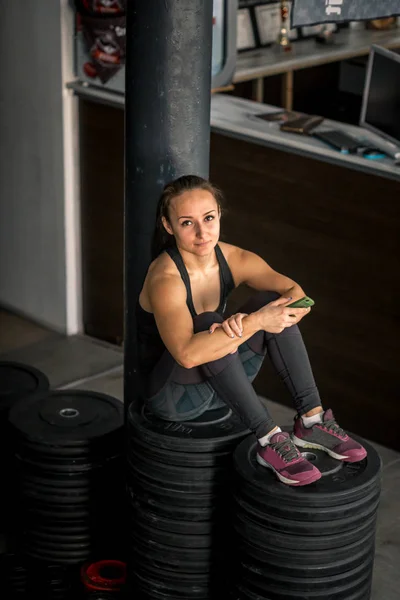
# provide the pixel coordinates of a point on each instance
(304, 302)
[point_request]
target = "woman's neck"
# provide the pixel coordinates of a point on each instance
(197, 263)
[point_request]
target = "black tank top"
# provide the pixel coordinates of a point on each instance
(150, 344)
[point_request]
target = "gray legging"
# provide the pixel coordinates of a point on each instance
(179, 394)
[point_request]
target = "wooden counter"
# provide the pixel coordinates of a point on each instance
(336, 232)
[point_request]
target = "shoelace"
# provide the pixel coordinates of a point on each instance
(331, 425)
(286, 449)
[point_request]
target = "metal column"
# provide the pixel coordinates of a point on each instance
(167, 130)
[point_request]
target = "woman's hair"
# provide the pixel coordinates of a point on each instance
(187, 183)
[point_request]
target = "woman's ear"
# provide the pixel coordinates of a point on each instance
(166, 226)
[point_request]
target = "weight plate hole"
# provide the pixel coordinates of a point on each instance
(309, 456)
(69, 413)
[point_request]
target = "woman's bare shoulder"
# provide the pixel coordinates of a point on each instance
(162, 278)
(230, 251)
(163, 264)
(162, 271)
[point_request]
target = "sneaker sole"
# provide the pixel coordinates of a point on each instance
(343, 457)
(294, 482)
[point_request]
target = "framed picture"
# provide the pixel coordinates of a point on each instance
(268, 18)
(245, 33)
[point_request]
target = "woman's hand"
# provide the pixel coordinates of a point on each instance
(232, 326)
(277, 316)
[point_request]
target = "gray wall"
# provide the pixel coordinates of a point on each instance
(32, 239)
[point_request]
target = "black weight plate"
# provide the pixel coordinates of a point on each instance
(305, 557)
(90, 453)
(338, 592)
(180, 458)
(65, 545)
(184, 553)
(153, 570)
(312, 528)
(162, 478)
(76, 533)
(168, 510)
(210, 432)
(71, 498)
(58, 539)
(56, 548)
(185, 590)
(18, 380)
(171, 558)
(316, 528)
(56, 556)
(59, 469)
(175, 563)
(344, 486)
(281, 523)
(151, 519)
(66, 561)
(58, 482)
(291, 568)
(54, 452)
(67, 416)
(54, 515)
(203, 494)
(243, 593)
(184, 457)
(152, 594)
(178, 540)
(249, 532)
(179, 585)
(90, 450)
(253, 502)
(170, 472)
(177, 497)
(265, 578)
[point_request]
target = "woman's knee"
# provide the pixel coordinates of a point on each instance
(259, 300)
(203, 321)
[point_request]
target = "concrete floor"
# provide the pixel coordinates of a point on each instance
(87, 364)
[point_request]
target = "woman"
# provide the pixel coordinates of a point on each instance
(192, 357)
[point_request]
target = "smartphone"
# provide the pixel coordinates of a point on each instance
(339, 140)
(304, 302)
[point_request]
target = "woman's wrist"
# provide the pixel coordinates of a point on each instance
(253, 323)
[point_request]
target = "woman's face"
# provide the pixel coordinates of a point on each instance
(194, 220)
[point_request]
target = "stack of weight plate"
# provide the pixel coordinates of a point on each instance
(179, 490)
(13, 576)
(68, 461)
(21, 578)
(313, 542)
(16, 381)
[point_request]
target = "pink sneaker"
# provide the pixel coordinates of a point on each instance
(282, 456)
(328, 436)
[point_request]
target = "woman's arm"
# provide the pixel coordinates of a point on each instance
(167, 295)
(249, 268)
(175, 324)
